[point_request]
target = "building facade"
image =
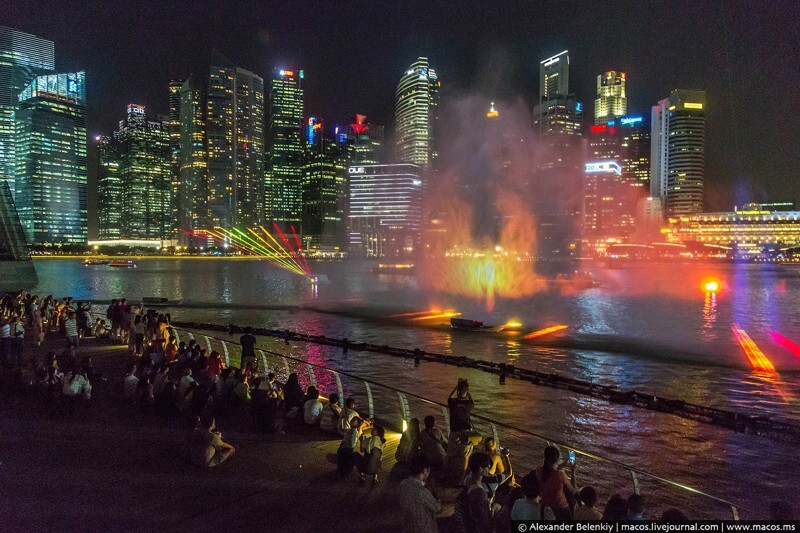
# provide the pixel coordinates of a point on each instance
(677, 156)
(50, 159)
(416, 108)
(557, 181)
(753, 231)
(324, 196)
(190, 188)
(22, 57)
(554, 77)
(235, 135)
(142, 201)
(385, 210)
(109, 188)
(611, 101)
(284, 179)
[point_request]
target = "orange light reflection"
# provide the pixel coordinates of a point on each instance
(754, 355)
(545, 331)
(440, 315)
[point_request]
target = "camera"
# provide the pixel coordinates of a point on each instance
(505, 451)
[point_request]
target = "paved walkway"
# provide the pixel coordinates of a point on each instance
(110, 467)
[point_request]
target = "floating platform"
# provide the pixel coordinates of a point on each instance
(318, 279)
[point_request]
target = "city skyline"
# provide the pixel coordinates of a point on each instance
(750, 152)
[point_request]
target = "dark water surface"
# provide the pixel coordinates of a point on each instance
(653, 328)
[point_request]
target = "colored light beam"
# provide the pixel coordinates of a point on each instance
(448, 314)
(783, 342)
(545, 331)
(251, 242)
(754, 355)
(416, 313)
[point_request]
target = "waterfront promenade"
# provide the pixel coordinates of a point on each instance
(111, 467)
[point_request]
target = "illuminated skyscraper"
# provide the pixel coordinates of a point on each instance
(677, 159)
(22, 57)
(558, 172)
(190, 189)
(416, 108)
(235, 133)
(284, 189)
(385, 209)
(50, 159)
(365, 142)
(611, 101)
(109, 188)
(554, 77)
(139, 199)
(324, 195)
(174, 132)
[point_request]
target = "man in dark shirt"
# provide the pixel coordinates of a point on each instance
(462, 439)
(248, 342)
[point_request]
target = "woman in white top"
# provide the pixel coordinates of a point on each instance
(312, 408)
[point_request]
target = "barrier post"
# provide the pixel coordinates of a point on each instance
(339, 388)
(312, 379)
(634, 481)
(494, 434)
(264, 361)
(404, 410)
(208, 344)
(446, 415)
(370, 405)
(227, 358)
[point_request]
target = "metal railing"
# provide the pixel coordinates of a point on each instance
(395, 408)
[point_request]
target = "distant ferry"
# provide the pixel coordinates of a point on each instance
(95, 262)
(575, 280)
(122, 264)
(465, 323)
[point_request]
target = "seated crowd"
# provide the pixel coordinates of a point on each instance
(170, 378)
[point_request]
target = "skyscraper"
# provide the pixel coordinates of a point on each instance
(677, 159)
(611, 101)
(145, 177)
(284, 177)
(324, 200)
(415, 113)
(235, 133)
(190, 192)
(554, 77)
(174, 133)
(365, 142)
(50, 159)
(109, 188)
(385, 211)
(22, 57)
(557, 172)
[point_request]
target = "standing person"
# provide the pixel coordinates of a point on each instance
(215, 367)
(418, 505)
(555, 485)
(138, 333)
(248, 342)
(71, 331)
(5, 341)
(462, 440)
(346, 456)
(129, 383)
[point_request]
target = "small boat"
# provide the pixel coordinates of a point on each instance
(159, 301)
(575, 280)
(465, 323)
(94, 262)
(122, 264)
(318, 279)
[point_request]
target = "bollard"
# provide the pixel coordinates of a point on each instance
(416, 356)
(345, 348)
(503, 371)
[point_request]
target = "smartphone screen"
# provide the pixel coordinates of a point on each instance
(572, 457)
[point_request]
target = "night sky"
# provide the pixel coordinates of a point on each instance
(744, 54)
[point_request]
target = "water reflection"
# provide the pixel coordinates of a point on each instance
(710, 314)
